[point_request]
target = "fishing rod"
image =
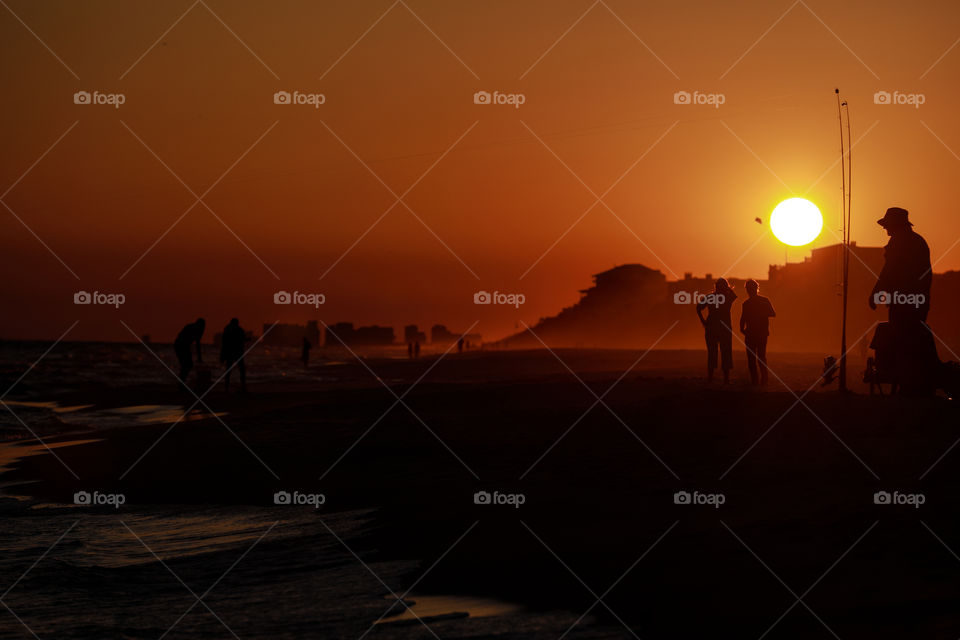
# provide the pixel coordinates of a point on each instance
(846, 173)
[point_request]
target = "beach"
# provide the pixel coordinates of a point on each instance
(498, 482)
(478, 273)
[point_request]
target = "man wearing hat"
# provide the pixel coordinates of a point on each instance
(904, 286)
(904, 282)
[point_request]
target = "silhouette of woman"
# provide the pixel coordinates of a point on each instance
(717, 327)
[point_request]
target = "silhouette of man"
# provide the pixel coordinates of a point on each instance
(904, 282)
(305, 353)
(755, 314)
(231, 353)
(904, 286)
(190, 334)
(717, 327)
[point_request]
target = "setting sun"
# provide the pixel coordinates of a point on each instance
(796, 222)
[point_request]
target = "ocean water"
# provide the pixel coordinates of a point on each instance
(186, 573)
(200, 571)
(33, 380)
(228, 572)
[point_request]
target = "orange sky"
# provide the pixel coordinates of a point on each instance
(488, 208)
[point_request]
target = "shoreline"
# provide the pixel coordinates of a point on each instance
(800, 489)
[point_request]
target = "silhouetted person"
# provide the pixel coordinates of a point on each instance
(410, 350)
(755, 314)
(460, 345)
(231, 353)
(416, 350)
(305, 353)
(717, 327)
(906, 270)
(904, 286)
(190, 334)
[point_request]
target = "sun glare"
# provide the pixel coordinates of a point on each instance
(796, 222)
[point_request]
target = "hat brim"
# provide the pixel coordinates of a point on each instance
(883, 222)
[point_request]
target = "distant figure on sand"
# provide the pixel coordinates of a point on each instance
(416, 350)
(460, 345)
(190, 334)
(755, 314)
(231, 353)
(305, 353)
(717, 327)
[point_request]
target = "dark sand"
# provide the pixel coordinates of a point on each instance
(598, 499)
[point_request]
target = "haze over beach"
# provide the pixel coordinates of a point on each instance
(419, 319)
(504, 183)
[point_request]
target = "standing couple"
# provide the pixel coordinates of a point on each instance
(755, 315)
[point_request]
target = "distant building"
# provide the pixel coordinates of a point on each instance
(412, 333)
(291, 335)
(609, 313)
(439, 334)
(361, 336)
(635, 306)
